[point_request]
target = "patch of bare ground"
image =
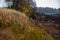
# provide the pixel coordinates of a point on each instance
(51, 28)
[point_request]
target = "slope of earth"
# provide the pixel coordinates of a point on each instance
(15, 25)
(50, 23)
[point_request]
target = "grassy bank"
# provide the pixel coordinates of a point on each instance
(15, 25)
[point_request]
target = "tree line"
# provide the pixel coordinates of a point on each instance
(25, 6)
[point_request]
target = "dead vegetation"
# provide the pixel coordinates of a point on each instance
(15, 25)
(49, 23)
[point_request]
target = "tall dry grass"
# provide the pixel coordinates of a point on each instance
(15, 25)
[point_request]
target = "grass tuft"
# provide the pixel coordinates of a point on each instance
(17, 26)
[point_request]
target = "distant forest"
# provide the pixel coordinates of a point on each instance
(48, 10)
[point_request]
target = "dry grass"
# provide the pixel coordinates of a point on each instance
(15, 25)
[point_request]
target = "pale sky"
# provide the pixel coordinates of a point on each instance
(40, 3)
(2, 3)
(48, 3)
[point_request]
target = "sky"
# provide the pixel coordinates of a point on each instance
(48, 3)
(40, 3)
(2, 3)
